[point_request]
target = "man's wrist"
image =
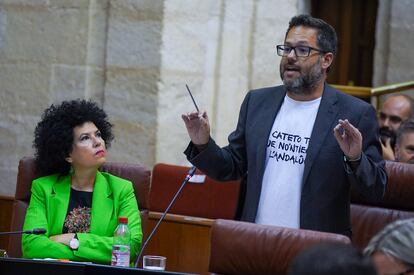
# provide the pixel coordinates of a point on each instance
(354, 159)
(351, 164)
(201, 147)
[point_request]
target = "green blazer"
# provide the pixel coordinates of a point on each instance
(112, 197)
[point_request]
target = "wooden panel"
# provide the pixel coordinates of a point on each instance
(184, 240)
(6, 209)
(362, 92)
(338, 15)
(354, 22)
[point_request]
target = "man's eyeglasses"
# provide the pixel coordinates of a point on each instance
(300, 51)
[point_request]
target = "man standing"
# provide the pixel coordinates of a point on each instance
(301, 145)
(395, 110)
(404, 146)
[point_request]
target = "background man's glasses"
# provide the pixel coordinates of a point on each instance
(300, 51)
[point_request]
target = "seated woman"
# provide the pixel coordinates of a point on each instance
(392, 249)
(77, 204)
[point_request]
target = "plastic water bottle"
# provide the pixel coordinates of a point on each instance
(122, 243)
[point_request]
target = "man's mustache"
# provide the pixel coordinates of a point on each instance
(385, 132)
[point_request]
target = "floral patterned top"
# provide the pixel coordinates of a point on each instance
(78, 217)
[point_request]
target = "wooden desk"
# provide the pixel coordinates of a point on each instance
(184, 240)
(13, 266)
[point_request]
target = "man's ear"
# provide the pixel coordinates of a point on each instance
(327, 60)
(69, 159)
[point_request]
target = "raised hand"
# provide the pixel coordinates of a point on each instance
(198, 127)
(387, 151)
(349, 139)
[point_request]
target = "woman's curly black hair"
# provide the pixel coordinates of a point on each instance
(53, 136)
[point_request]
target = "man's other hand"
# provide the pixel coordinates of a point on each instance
(198, 127)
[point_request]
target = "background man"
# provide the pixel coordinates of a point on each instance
(392, 249)
(395, 110)
(297, 143)
(331, 258)
(404, 146)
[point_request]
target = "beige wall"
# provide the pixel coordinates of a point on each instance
(224, 52)
(45, 56)
(132, 72)
(393, 58)
(134, 58)
(53, 50)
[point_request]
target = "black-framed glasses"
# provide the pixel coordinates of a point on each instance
(300, 51)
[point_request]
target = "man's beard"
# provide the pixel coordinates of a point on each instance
(386, 133)
(304, 84)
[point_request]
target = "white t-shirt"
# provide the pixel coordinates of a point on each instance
(285, 161)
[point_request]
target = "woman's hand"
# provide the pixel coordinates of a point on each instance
(387, 151)
(63, 238)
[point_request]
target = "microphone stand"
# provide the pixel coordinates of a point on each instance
(36, 231)
(187, 178)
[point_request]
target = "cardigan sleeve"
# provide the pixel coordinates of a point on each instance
(40, 246)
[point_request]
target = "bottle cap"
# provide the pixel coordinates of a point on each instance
(123, 220)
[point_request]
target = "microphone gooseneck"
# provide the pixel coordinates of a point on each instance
(36, 231)
(187, 178)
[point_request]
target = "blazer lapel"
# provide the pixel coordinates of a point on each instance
(102, 205)
(324, 119)
(267, 116)
(59, 203)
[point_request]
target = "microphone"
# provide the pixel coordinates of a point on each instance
(36, 231)
(187, 178)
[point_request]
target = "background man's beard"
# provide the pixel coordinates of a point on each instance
(304, 84)
(385, 134)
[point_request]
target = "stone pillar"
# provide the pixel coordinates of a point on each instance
(132, 73)
(54, 50)
(394, 60)
(50, 50)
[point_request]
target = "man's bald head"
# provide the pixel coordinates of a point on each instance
(395, 110)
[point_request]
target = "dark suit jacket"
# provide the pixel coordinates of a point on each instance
(325, 200)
